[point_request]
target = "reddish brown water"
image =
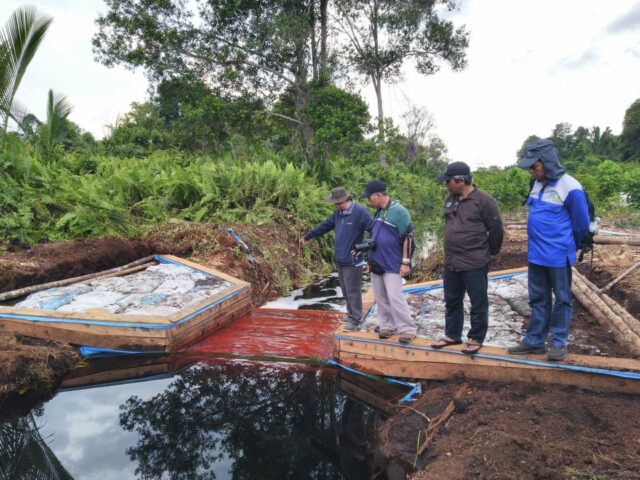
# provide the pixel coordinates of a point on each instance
(270, 332)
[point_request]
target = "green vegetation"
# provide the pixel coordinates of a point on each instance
(207, 147)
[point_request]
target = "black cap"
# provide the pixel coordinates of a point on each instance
(374, 186)
(454, 169)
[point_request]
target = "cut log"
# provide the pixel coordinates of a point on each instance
(603, 313)
(635, 240)
(61, 283)
(631, 322)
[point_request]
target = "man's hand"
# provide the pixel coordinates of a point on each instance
(304, 242)
(405, 270)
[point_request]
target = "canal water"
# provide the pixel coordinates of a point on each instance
(201, 417)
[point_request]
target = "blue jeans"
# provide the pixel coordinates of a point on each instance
(547, 316)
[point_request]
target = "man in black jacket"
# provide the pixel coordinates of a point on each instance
(473, 233)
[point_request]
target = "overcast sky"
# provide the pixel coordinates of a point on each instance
(532, 64)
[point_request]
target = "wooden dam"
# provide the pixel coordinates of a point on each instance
(223, 325)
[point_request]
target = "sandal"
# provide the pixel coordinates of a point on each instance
(445, 342)
(471, 347)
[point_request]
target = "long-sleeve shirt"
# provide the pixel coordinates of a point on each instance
(473, 231)
(350, 225)
(558, 221)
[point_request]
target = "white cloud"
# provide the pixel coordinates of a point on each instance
(64, 63)
(532, 64)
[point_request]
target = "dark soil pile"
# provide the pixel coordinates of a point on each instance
(525, 431)
(520, 431)
(33, 366)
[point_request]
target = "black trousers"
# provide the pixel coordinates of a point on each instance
(456, 284)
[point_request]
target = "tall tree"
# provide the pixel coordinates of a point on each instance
(237, 46)
(383, 34)
(630, 136)
(19, 41)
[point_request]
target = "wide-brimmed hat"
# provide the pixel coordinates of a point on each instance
(337, 195)
(374, 186)
(454, 169)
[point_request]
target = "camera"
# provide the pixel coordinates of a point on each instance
(365, 246)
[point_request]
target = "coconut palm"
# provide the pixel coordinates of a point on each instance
(55, 128)
(19, 41)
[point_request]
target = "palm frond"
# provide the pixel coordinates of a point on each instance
(19, 41)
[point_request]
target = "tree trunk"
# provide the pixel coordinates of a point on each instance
(323, 37)
(302, 97)
(376, 80)
(314, 46)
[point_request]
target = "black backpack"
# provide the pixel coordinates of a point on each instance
(586, 245)
(587, 242)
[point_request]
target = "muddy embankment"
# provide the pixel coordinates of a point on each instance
(527, 431)
(490, 431)
(32, 369)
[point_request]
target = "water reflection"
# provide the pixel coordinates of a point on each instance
(215, 419)
(267, 423)
(24, 454)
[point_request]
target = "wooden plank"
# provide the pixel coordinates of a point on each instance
(113, 369)
(207, 316)
(366, 396)
(491, 274)
(368, 344)
(191, 334)
(132, 339)
(234, 295)
(445, 371)
(210, 271)
(95, 314)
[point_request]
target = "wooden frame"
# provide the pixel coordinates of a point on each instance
(99, 328)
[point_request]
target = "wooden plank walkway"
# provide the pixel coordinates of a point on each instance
(365, 351)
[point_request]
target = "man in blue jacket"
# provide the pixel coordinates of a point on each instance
(350, 221)
(558, 221)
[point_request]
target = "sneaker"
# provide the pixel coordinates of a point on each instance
(351, 326)
(385, 333)
(526, 349)
(557, 353)
(407, 337)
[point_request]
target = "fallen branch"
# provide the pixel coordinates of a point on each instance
(61, 283)
(435, 424)
(616, 280)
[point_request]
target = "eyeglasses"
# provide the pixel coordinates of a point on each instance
(455, 208)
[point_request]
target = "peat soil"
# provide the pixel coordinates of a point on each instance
(523, 430)
(497, 431)
(32, 369)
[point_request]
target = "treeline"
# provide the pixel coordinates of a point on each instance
(209, 148)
